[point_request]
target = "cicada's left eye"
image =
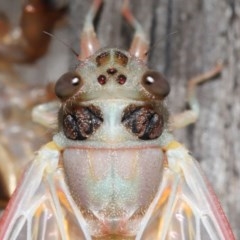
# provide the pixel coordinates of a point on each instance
(67, 85)
(155, 84)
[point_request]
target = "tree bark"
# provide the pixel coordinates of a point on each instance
(207, 31)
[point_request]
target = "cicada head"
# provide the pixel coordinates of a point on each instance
(112, 97)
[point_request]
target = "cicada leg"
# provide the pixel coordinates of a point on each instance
(27, 42)
(45, 114)
(140, 43)
(190, 116)
(89, 42)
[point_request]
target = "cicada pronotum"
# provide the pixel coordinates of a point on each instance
(114, 170)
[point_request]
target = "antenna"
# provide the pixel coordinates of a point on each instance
(158, 42)
(61, 41)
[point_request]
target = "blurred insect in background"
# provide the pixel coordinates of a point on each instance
(114, 170)
(19, 136)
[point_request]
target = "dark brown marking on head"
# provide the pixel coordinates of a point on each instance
(120, 58)
(70, 128)
(155, 84)
(102, 59)
(143, 122)
(79, 122)
(67, 85)
(112, 71)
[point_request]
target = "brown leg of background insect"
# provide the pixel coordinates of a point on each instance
(140, 44)
(8, 178)
(4, 25)
(28, 42)
(190, 116)
(89, 42)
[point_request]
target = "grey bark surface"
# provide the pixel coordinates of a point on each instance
(207, 31)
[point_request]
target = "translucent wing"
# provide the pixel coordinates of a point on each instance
(42, 207)
(185, 206)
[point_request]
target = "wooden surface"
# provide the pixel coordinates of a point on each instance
(207, 31)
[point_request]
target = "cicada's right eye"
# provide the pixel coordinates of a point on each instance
(155, 84)
(67, 85)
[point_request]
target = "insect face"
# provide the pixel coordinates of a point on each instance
(111, 106)
(112, 97)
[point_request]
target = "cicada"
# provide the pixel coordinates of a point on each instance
(114, 170)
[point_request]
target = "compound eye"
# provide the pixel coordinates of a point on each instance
(155, 84)
(67, 85)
